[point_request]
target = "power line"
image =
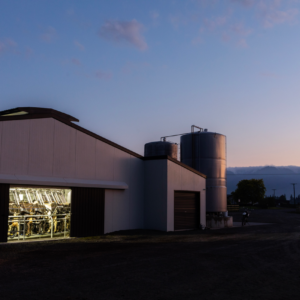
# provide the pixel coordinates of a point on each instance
(294, 192)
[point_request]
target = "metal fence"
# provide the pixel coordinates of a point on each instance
(233, 207)
(38, 226)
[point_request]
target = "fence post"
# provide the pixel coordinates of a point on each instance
(51, 227)
(19, 227)
(24, 228)
(65, 220)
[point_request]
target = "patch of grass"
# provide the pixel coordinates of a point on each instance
(276, 207)
(248, 207)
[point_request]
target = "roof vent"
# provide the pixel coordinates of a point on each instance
(20, 113)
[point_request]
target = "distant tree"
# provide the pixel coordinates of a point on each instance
(282, 198)
(250, 191)
(266, 202)
(229, 199)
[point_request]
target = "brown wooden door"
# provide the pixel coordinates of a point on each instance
(87, 208)
(186, 210)
(4, 203)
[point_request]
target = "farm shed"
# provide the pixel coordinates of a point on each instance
(58, 179)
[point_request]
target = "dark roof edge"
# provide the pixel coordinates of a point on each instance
(66, 122)
(174, 161)
(31, 111)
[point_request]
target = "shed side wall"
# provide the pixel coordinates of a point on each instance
(49, 148)
(156, 194)
(125, 209)
(181, 179)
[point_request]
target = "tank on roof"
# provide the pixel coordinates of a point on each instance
(160, 148)
(206, 152)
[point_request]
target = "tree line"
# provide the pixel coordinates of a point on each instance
(253, 192)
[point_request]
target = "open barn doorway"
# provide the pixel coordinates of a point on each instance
(38, 212)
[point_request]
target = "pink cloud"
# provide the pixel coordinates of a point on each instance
(216, 22)
(79, 46)
(271, 16)
(70, 12)
(127, 32)
(197, 40)
(11, 43)
(242, 43)
(226, 37)
(8, 45)
(246, 3)
(130, 67)
(228, 25)
(268, 75)
(154, 15)
(239, 29)
(49, 35)
(28, 52)
(2, 47)
(103, 75)
(271, 12)
(76, 62)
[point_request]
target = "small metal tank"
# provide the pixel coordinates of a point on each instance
(161, 148)
(206, 152)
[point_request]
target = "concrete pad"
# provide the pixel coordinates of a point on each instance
(219, 222)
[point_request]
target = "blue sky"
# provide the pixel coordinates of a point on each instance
(133, 71)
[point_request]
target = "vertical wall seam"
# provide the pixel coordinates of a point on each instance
(76, 153)
(54, 127)
(167, 194)
(145, 193)
(112, 214)
(114, 162)
(96, 161)
(28, 134)
(1, 150)
(95, 158)
(113, 204)
(130, 193)
(104, 218)
(200, 210)
(29, 139)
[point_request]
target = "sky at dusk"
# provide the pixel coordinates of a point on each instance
(133, 71)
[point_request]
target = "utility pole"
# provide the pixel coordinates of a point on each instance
(294, 192)
(274, 192)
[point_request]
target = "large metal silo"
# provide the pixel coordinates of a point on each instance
(161, 148)
(206, 152)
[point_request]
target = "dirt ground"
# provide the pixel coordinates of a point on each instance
(252, 262)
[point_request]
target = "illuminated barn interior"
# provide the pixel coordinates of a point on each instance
(36, 212)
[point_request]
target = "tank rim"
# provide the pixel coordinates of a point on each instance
(203, 132)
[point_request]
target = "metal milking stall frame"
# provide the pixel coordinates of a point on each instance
(35, 212)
